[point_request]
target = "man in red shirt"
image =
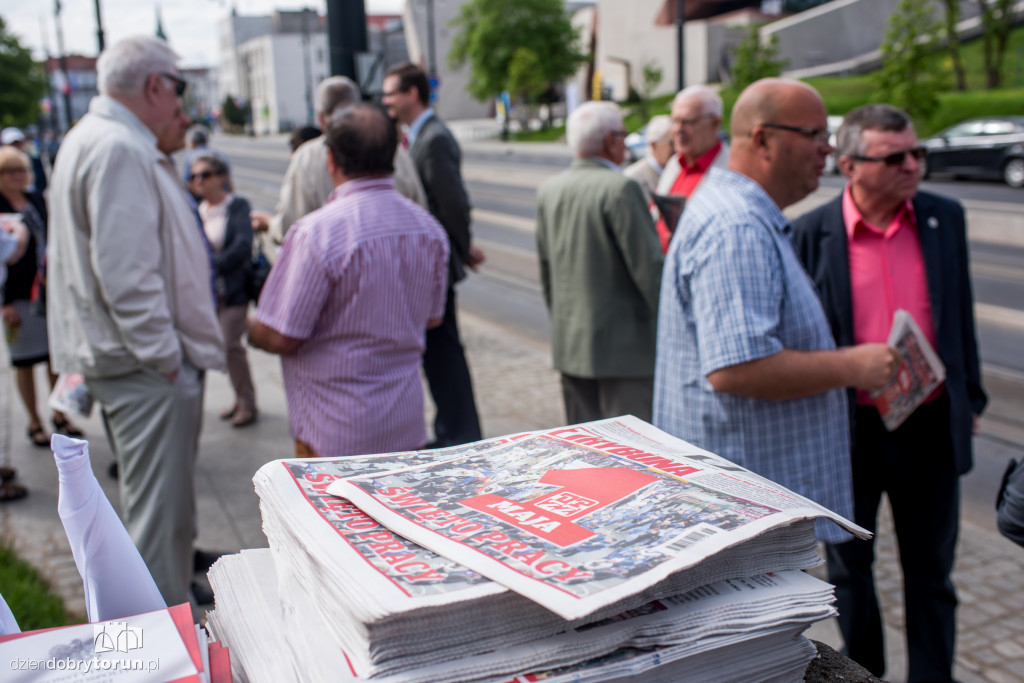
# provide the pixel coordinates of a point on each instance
(882, 246)
(696, 137)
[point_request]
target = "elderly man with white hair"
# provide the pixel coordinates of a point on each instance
(129, 296)
(696, 136)
(600, 268)
(647, 171)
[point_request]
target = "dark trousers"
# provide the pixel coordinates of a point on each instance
(596, 399)
(444, 363)
(914, 467)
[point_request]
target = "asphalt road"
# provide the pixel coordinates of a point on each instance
(506, 290)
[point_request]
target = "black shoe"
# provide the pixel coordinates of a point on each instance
(112, 470)
(202, 593)
(202, 560)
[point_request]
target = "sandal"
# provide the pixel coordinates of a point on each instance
(65, 427)
(38, 437)
(6, 474)
(243, 417)
(12, 492)
(228, 413)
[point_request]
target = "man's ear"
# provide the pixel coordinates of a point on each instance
(332, 164)
(151, 87)
(846, 165)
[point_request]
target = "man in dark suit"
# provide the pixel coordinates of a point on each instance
(882, 246)
(600, 267)
(438, 160)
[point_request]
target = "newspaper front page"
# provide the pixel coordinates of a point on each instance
(580, 517)
(919, 374)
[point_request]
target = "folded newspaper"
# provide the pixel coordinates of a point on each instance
(581, 517)
(520, 553)
(919, 374)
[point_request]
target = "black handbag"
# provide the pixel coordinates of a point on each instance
(259, 269)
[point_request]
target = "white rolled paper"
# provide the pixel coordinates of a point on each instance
(117, 582)
(8, 624)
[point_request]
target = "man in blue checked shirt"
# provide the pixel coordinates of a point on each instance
(746, 364)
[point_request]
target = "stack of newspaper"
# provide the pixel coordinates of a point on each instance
(592, 552)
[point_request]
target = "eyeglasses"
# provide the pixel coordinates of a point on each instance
(179, 83)
(619, 133)
(16, 169)
(205, 174)
(689, 123)
(896, 158)
(819, 135)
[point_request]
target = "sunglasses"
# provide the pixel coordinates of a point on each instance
(205, 174)
(179, 84)
(896, 158)
(819, 135)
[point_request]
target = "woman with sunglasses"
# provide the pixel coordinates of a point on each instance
(229, 230)
(24, 300)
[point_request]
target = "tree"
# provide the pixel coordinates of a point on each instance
(233, 115)
(650, 78)
(519, 46)
(996, 23)
(753, 60)
(911, 77)
(22, 81)
(953, 41)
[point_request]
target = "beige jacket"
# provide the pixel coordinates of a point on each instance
(307, 185)
(128, 275)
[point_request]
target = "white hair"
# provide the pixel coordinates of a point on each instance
(335, 92)
(124, 68)
(712, 103)
(589, 124)
(658, 129)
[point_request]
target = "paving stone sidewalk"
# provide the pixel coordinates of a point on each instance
(516, 390)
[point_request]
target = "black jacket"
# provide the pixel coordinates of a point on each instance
(820, 240)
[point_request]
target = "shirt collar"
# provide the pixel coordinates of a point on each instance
(653, 163)
(108, 107)
(361, 185)
(853, 219)
(609, 164)
(703, 161)
(416, 126)
(768, 210)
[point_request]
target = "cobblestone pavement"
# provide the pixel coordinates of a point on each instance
(516, 390)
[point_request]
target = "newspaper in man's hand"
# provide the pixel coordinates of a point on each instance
(918, 375)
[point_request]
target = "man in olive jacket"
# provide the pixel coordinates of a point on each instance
(600, 267)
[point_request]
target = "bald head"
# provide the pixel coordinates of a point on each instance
(767, 100)
(780, 138)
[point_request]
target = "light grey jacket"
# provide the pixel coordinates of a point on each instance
(128, 280)
(307, 185)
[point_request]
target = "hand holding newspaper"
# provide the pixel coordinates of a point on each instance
(919, 373)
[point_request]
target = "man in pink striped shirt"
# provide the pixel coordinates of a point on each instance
(356, 285)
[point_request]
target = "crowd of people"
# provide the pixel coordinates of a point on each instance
(735, 328)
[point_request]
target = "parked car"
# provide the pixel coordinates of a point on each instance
(636, 144)
(989, 147)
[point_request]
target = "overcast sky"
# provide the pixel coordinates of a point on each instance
(190, 25)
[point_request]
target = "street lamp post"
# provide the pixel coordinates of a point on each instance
(680, 53)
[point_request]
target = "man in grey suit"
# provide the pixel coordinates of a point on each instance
(438, 160)
(600, 267)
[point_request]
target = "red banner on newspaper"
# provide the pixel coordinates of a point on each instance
(580, 492)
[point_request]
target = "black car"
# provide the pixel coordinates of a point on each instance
(990, 147)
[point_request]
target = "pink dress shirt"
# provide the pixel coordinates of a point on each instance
(357, 281)
(886, 273)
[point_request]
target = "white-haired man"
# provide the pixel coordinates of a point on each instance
(129, 296)
(600, 268)
(647, 171)
(307, 182)
(696, 136)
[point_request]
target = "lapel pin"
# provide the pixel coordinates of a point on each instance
(933, 222)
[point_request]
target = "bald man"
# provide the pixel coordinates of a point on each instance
(746, 366)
